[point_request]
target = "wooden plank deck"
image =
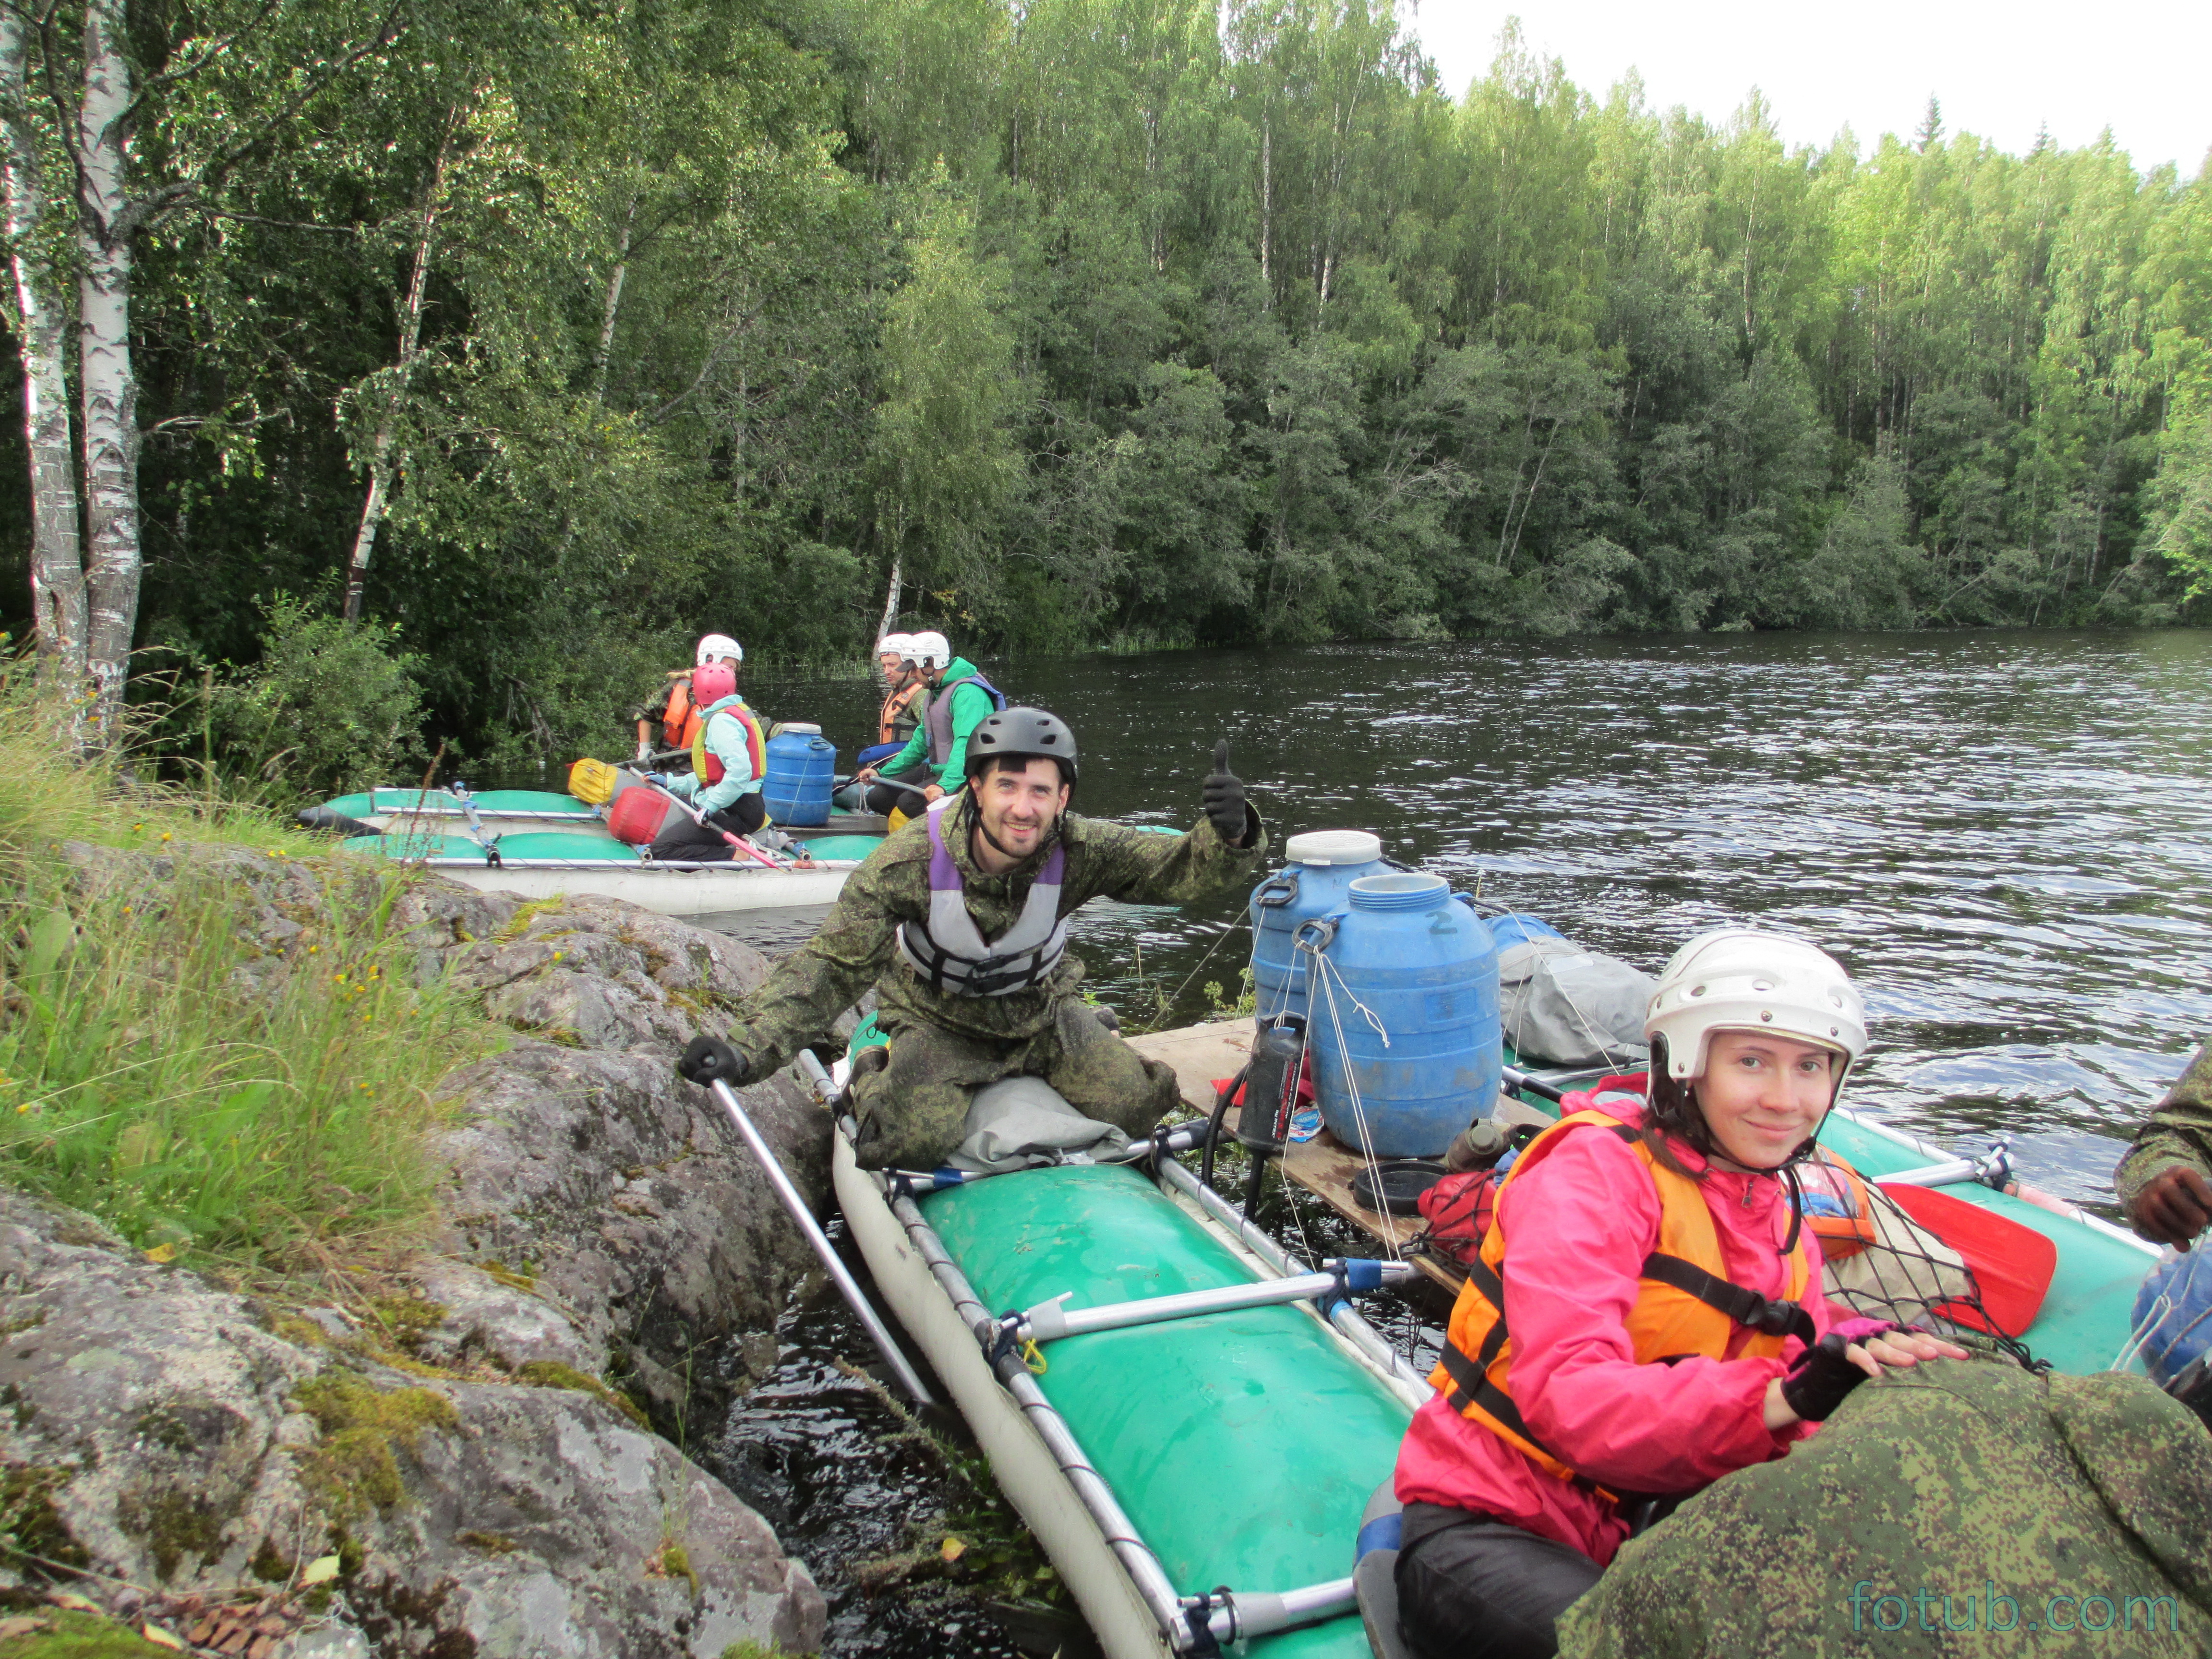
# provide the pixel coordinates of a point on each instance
(1324, 1165)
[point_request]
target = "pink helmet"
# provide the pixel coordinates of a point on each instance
(713, 682)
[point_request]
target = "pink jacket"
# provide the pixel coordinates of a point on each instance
(1579, 1227)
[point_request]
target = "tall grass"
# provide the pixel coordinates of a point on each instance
(257, 1103)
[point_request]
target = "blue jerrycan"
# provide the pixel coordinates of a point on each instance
(1315, 880)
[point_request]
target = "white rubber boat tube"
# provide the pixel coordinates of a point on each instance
(699, 891)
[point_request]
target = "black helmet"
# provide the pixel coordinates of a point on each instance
(1024, 734)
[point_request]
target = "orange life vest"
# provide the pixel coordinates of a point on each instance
(707, 765)
(1683, 1307)
(679, 721)
(898, 710)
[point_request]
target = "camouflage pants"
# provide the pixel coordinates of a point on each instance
(911, 1108)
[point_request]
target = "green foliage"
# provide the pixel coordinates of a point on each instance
(1110, 323)
(332, 707)
(206, 1074)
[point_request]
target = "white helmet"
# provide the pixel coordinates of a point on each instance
(713, 647)
(1738, 979)
(896, 645)
(931, 650)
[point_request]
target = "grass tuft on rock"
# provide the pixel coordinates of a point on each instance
(354, 1469)
(207, 1081)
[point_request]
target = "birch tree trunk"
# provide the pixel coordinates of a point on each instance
(109, 384)
(891, 600)
(379, 503)
(57, 597)
(612, 307)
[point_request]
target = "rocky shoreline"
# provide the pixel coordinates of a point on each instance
(484, 1462)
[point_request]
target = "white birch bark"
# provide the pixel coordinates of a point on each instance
(612, 307)
(891, 600)
(410, 343)
(57, 597)
(109, 383)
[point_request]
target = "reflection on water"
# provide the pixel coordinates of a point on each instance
(2006, 837)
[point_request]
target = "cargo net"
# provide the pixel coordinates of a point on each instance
(1903, 1272)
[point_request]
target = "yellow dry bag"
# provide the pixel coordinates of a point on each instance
(593, 781)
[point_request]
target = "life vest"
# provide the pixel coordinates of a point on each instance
(707, 765)
(681, 721)
(950, 952)
(900, 716)
(1684, 1306)
(939, 717)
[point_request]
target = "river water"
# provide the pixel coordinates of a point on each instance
(2006, 837)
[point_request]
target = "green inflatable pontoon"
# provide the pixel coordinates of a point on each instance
(1205, 1472)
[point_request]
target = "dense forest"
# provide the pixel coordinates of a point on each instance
(468, 357)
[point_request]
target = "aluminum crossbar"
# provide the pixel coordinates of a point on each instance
(1049, 1320)
(1992, 1169)
(1408, 1383)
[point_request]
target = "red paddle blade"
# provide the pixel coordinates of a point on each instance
(2011, 1264)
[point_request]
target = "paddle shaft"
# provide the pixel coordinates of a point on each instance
(795, 1205)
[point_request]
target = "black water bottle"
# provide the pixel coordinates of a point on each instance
(1271, 1085)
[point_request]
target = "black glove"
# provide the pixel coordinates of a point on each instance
(710, 1060)
(1223, 796)
(1816, 1384)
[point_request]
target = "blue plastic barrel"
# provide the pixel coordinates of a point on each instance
(1315, 881)
(802, 769)
(1403, 1020)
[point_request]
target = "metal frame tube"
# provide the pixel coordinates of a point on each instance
(1049, 1321)
(1409, 1384)
(796, 1206)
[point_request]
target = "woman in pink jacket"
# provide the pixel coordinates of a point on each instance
(1646, 1314)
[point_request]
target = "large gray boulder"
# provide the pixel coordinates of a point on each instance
(156, 1435)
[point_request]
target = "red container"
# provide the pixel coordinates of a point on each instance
(637, 814)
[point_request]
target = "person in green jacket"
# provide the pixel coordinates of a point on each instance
(935, 761)
(2165, 1180)
(959, 921)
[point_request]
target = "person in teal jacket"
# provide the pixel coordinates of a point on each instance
(729, 763)
(935, 761)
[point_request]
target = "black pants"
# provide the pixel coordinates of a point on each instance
(882, 796)
(1473, 1588)
(685, 840)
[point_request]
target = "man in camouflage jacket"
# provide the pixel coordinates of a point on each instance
(2165, 1180)
(911, 1101)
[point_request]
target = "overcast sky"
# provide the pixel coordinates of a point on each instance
(2141, 67)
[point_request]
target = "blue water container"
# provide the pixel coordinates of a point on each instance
(1404, 1017)
(1315, 880)
(802, 767)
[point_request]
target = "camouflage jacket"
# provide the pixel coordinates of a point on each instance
(856, 948)
(2178, 1131)
(1958, 1497)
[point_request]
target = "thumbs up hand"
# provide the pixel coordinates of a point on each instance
(1224, 798)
